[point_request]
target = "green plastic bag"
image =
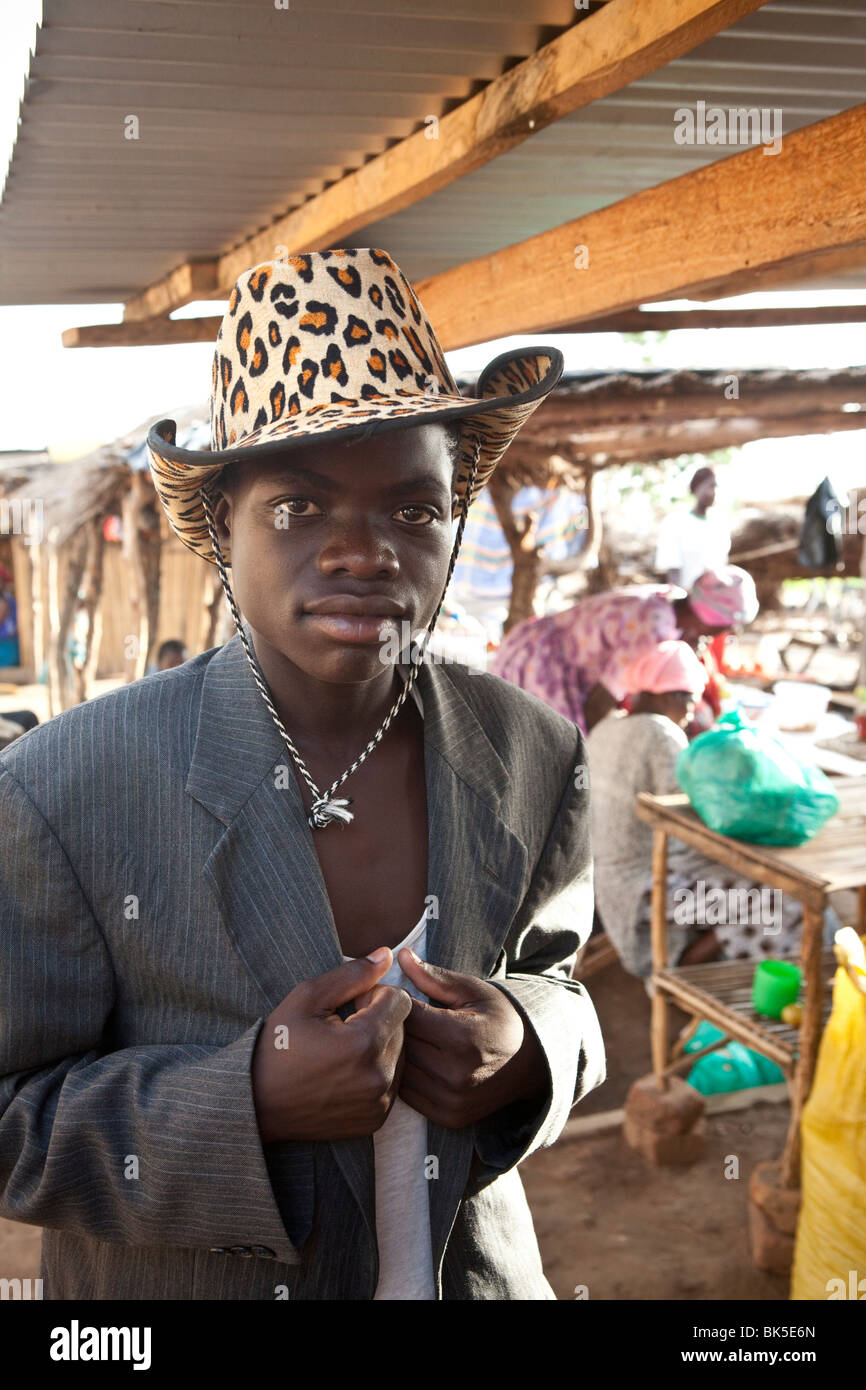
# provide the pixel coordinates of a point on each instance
(730, 1068)
(746, 784)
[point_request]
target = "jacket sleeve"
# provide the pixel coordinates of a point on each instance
(534, 970)
(146, 1145)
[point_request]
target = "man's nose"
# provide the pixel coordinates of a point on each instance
(360, 547)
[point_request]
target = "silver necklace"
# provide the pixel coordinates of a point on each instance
(326, 808)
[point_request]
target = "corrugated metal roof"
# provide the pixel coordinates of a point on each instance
(245, 110)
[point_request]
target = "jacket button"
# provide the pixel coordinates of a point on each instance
(241, 1250)
(218, 1250)
(264, 1250)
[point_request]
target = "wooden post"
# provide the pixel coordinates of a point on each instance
(658, 930)
(54, 678)
(520, 535)
(136, 658)
(37, 603)
(214, 598)
(92, 586)
(76, 554)
(150, 543)
(809, 1039)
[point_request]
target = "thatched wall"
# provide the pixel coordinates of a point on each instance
(185, 587)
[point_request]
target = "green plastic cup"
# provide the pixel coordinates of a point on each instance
(776, 984)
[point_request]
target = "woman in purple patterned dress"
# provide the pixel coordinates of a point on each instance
(575, 660)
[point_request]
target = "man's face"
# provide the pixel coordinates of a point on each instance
(368, 524)
(172, 658)
(705, 491)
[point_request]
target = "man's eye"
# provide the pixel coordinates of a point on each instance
(294, 506)
(421, 515)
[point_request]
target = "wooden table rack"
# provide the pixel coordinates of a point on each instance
(720, 991)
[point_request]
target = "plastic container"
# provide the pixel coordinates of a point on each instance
(753, 704)
(799, 705)
(776, 983)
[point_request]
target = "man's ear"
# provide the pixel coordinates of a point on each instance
(222, 514)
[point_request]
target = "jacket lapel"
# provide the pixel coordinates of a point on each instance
(263, 870)
(265, 874)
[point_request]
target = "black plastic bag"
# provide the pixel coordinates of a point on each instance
(820, 545)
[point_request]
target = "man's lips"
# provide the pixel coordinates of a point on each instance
(349, 618)
(372, 605)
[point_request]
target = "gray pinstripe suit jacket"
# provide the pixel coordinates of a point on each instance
(160, 894)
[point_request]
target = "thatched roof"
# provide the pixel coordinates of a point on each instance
(594, 420)
(76, 492)
(591, 420)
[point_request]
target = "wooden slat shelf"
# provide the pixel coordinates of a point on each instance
(721, 992)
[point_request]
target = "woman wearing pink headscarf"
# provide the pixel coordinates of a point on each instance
(637, 752)
(575, 660)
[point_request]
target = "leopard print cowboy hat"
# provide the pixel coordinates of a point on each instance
(334, 344)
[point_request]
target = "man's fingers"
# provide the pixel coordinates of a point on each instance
(385, 1013)
(417, 1092)
(327, 992)
(429, 1060)
(441, 1027)
(445, 986)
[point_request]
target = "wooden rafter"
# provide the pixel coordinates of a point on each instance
(671, 320)
(651, 443)
(620, 407)
(193, 280)
(753, 279)
(143, 333)
(605, 52)
(749, 211)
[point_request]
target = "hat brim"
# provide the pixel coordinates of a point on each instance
(509, 390)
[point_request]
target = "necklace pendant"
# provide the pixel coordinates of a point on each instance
(324, 811)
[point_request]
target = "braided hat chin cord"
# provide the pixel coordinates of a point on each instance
(326, 808)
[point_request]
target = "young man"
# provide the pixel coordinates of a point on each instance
(171, 653)
(691, 543)
(236, 1062)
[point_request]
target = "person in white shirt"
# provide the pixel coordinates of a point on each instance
(690, 543)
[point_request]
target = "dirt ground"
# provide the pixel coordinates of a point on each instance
(609, 1222)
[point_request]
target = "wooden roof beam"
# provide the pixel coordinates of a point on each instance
(602, 54)
(573, 412)
(604, 448)
(191, 281)
(758, 279)
(147, 333)
(674, 320)
(750, 211)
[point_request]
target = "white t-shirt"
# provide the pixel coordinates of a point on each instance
(692, 544)
(402, 1187)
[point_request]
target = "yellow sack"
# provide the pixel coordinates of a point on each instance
(830, 1249)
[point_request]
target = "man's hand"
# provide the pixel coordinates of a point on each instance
(470, 1058)
(316, 1076)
